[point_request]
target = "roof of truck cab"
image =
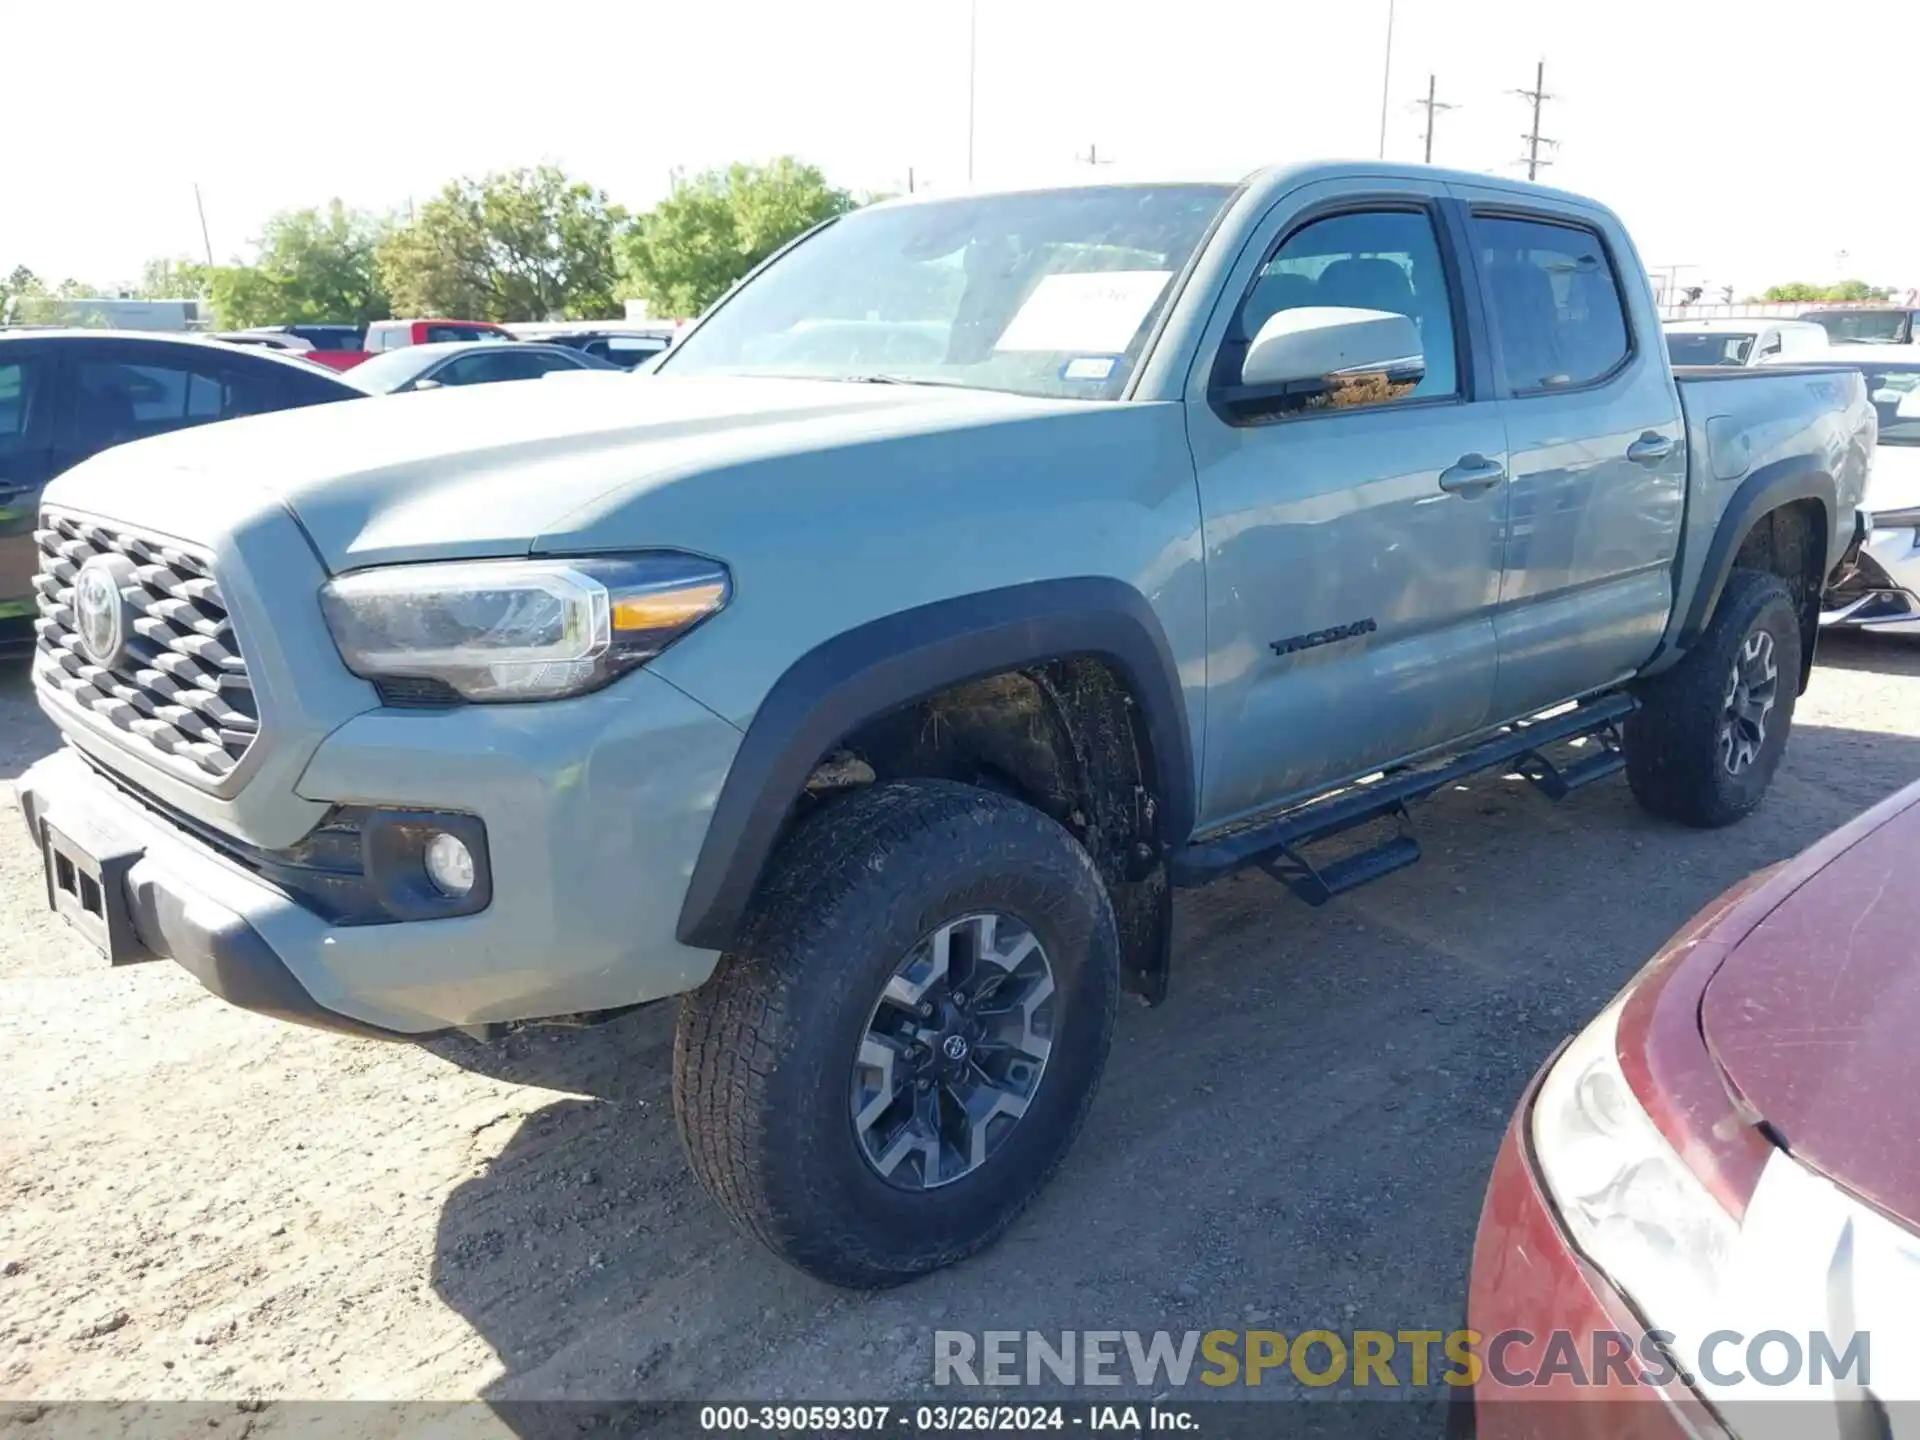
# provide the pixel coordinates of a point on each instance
(1274, 179)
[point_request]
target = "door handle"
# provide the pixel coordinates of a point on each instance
(1471, 474)
(1650, 449)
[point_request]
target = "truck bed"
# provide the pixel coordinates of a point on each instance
(1741, 421)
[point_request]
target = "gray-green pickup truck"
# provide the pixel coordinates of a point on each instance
(869, 673)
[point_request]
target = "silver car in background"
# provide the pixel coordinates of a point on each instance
(1881, 590)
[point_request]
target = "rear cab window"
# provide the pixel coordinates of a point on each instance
(1554, 302)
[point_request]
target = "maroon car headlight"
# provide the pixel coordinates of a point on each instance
(1627, 1200)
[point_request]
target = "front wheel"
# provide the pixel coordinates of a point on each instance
(1710, 732)
(906, 1043)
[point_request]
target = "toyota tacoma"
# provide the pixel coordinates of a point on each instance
(977, 572)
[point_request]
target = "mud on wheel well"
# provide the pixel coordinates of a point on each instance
(1064, 736)
(1791, 542)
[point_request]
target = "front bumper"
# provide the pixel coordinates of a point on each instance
(1880, 588)
(1528, 1278)
(595, 810)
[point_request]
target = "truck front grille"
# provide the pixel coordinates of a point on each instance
(177, 682)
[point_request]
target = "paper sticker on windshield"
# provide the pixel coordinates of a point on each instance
(1085, 311)
(1088, 367)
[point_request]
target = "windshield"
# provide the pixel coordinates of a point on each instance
(1863, 327)
(1047, 293)
(1718, 348)
(387, 372)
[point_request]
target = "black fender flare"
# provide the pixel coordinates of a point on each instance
(1765, 490)
(898, 659)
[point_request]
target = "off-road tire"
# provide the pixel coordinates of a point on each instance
(763, 1054)
(1673, 742)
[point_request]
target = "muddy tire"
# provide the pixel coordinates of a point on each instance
(1710, 732)
(900, 1053)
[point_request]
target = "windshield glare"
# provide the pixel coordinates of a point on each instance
(1862, 327)
(1895, 393)
(1049, 293)
(1719, 348)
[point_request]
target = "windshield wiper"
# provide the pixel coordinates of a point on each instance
(884, 379)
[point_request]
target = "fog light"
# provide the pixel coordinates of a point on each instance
(449, 865)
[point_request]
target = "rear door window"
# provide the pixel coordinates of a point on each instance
(21, 383)
(1554, 302)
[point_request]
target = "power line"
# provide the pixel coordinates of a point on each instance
(1432, 106)
(1386, 78)
(1539, 96)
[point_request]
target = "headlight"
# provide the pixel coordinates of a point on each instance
(520, 629)
(1628, 1201)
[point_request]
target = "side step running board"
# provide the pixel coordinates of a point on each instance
(1274, 844)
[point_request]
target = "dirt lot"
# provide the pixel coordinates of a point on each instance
(202, 1204)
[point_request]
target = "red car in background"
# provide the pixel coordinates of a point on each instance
(396, 334)
(341, 347)
(1708, 1202)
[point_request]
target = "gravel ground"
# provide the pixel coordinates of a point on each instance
(201, 1204)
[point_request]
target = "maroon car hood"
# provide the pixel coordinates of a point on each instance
(1815, 1017)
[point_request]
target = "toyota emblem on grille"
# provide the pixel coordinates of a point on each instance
(99, 612)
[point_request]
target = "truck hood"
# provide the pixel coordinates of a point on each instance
(500, 469)
(1813, 1017)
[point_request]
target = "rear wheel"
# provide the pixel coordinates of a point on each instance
(905, 1045)
(1709, 734)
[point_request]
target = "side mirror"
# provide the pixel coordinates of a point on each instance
(1328, 356)
(426, 384)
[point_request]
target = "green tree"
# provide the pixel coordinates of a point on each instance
(162, 279)
(1853, 291)
(687, 251)
(314, 265)
(515, 245)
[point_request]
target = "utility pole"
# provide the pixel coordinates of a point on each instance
(1092, 157)
(1431, 106)
(204, 239)
(910, 180)
(1538, 95)
(1386, 78)
(973, 52)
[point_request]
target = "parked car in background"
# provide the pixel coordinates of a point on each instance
(267, 339)
(1742, 342)
(68, 394)
(338, 347)
(383, 335)
(1863, 325)
(626, 345)
(428, 367)
(1727, 1152)
(1880, 589)
(978, 571)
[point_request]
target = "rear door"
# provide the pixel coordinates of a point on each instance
(1353, 551)
(1597, 449)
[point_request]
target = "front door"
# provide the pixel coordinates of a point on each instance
(1353, 551)
(1598, 456)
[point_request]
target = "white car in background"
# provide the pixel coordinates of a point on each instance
(1881, 591)
(1758, 341)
